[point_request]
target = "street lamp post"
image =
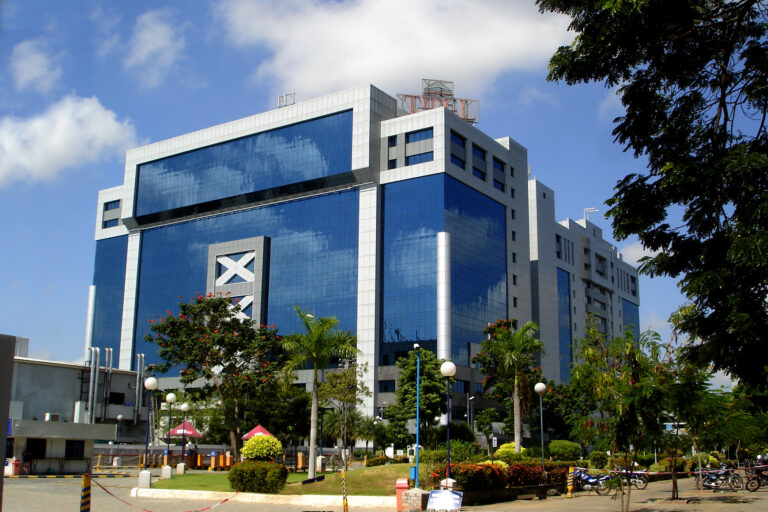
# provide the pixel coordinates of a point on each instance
(448, 370)
(150, 384)
(471, 415)
(184, 408)
(170, 398)
(540, 389)
(418, 391)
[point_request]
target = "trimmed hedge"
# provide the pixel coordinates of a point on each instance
(258, 476)
(475, 477)
(262, 448)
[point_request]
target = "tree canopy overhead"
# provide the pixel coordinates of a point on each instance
(692, 76)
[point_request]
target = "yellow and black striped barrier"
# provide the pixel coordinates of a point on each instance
(569, 494)
(85, 494)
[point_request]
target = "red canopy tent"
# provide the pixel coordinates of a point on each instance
(185, 429)
(258, 431)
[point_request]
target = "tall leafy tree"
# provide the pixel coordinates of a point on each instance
(206, 340)
(692, 76)
(318, 346)
(505, 356)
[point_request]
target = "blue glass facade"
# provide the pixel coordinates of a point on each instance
(630, 314)
(414, 212)
(304, 151)
(109, 279)
(564, 333)
(313, 261)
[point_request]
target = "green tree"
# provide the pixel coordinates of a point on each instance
(344, 390)
(505, 356)
(629, 382)
(207, 341)
(431, 396)
(317, 347)
(484, 423)
(692, 76)
(367, 430)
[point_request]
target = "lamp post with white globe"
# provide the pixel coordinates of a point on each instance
(184, 408)
(150, 384)
(170, 398)
(448, 370)
(540, 388)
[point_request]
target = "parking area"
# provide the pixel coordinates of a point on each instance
(48, 495)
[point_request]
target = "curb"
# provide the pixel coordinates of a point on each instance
(66, 476)
(310, 500)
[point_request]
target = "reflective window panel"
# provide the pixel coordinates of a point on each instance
(109, 279)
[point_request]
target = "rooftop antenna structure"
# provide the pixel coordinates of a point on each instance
(587, 211)
(286, 99)
(436, 94)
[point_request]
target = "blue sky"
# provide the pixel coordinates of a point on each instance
(81, 81)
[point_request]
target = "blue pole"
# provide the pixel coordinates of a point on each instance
(418, 371)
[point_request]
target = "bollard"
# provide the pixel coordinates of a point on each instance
(344, 491)
(199, 464)
(98, 462)
(85, 493)
(569, 494)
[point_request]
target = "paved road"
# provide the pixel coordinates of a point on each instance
(54, 495)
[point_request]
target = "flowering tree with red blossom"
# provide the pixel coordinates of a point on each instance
(505, 356)
(207, 340)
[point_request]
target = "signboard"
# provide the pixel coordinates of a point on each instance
(444, 500)
(495, 442)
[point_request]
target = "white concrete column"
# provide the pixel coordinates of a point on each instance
(443, 295)
(129, 300)
(89, 320)
(368, 286)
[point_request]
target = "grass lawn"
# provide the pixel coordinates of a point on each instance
(376, 481)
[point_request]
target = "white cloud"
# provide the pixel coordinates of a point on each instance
(634, 251)
(318, 47)
(155, 47)
(532, 95)
(72, 132)
(654, 323)
(33, 68)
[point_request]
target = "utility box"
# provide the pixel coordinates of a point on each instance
(401, 485)
(320, 464)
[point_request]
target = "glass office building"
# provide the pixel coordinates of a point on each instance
(407, 228)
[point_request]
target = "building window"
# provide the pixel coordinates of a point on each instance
(514, 302)
(458, 162)
(392, 141)
(511, 213)
(112, 205)
(498, 185)
(111, 223)
(74, 449)
(558, 247)
(514, 279)
(512, 171)
(458, 139)
(478, 152)
(498, 165)
(392, 164)
(386, 386)
(477, 173)
(514, 257)
(418, 135)
(511, 191)
(514, 236)
(36, 448)
(419, 158)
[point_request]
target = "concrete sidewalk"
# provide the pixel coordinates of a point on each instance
(54, 495)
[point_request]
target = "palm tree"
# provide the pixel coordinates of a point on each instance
(318, 346)
(367, 430)
(512, 351)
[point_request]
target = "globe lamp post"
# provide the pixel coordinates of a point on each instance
(540, 388)
(150, 384)
(417, 348)
(170, 398)
(184, 408)
(448, 370)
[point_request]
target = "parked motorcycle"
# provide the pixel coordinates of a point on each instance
(637, 478)
(719, 479)
(756, 477)
(588, 482)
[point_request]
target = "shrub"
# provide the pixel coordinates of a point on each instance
(258, 476)
(376, 461)
(500, 463)
(598, 459)
(564, 450)
(507, 452)
(472, 477)
(262, 448)
(520, 475)
(462, 451)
